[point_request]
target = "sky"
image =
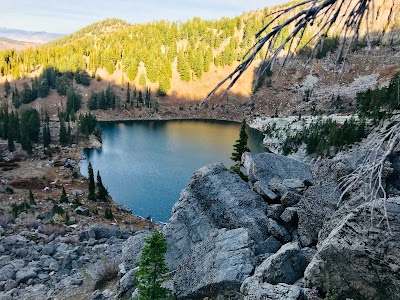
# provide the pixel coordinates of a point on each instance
(61, 16)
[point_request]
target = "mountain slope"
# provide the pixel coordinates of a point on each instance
(6, 44)
(184, 61)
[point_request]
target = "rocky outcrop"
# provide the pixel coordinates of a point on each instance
(360, 259)
(316, 206)
(256, 290)
(216, 266)
(215, 198)
(285, 266)
(132, 249)
(263, 167)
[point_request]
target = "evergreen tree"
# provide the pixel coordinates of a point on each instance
(110, 97)
(11, 133)
(35, 89)
(69, 134)
(128, 94)
(101, 190)
(64, 197)
(87, 124)
(108, 214)
(148, 98)
(92, 194)
(140, 99)
(46, 135)
(240, 145)
(152, 269)
(26, 144)
(10, 143)
(7, 87)
(31, 198)
(66, 219)
(26, 93)
(63, 84)
(63, 136)
(44, 88)
(74, 101)
(16, 101)
(93, 100)
(29, 128)
(82, 77)
(5, 120)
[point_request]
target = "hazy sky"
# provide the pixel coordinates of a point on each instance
(60, 16)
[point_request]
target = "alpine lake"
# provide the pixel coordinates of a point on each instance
(146, 164)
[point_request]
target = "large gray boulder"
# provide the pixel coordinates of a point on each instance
(277, 231)
(216, 266)
(360, 259)
(256, 290)
(132, 249)
(285, 266)
(262, 167)
(25, 274)
(215, 198)
(316, 206)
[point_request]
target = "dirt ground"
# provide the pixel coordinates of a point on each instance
(45, 177)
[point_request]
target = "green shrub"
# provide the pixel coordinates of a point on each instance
(58, 209)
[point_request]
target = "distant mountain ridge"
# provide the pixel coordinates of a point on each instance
(6, 43)
(36, 37)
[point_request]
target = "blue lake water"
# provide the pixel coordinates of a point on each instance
(145, 164)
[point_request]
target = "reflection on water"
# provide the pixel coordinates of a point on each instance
(145, 164)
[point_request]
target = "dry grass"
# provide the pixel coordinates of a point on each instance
(106, 271)
(50, 229)
(32, 223)
(6, 219)
(71, 240)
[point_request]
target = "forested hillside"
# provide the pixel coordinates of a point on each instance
(116, 45)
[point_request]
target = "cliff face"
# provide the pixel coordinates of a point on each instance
(283, 236)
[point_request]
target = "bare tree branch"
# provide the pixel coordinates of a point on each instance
(346, 14)
(369, 176)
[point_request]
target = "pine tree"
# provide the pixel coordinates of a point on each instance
(92, 194)
(140, 99)
(240, 145)
(11, 132)
(148, 98)
(16, 101)
(64, 197)
(31, 198)
(108, 214)
(7, 87)
(69, 134)
(10, 143)
(66, 219)
(44, 88)
(152, 269)
(101, 190)
(74, 101)
(46, 135)
(26, 144)
(128, 94)
(63, 133)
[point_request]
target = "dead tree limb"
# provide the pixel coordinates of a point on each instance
(369, 176)
(347, 14)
